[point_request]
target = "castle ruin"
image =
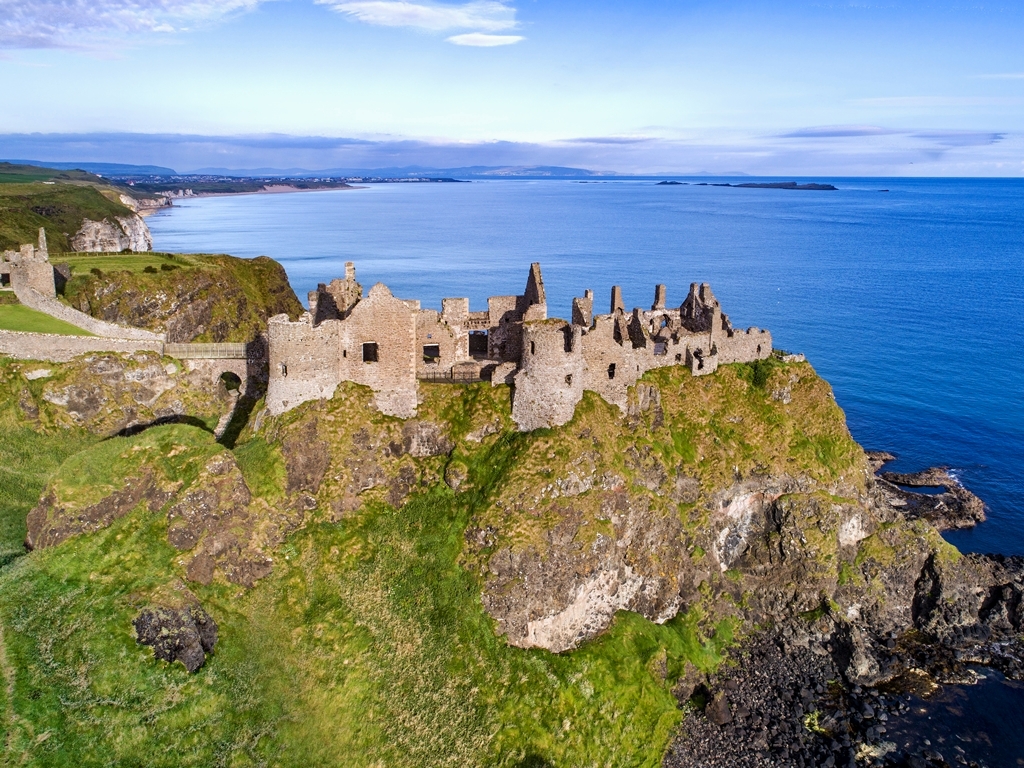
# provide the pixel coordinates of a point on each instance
(29, 268)
(391, 344)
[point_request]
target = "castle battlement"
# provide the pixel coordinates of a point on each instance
(391, 345)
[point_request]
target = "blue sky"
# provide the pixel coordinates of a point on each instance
(783, 87)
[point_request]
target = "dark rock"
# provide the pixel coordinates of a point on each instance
(718, 710)
(185, 634)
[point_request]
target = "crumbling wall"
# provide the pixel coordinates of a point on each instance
(611, 367)
(452, 347)
(556, 360)
(744, 346)
(336, 299)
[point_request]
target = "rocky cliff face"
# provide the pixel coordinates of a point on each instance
(123, 233)
(714, 495)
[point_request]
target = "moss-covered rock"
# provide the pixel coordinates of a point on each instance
(190, 298)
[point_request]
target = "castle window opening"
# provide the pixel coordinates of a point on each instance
(5, 279)
(370, 352)
(533, 348)
(568, 379)
(660, 348)
(679, 358)
(284, 370)
(478, 343)
(344, 353)
(431, 352)
(759, 349)
(611, 371)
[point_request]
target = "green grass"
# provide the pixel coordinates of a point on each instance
(60, 208)
(84, 263)
(16, 317)
(146, 290)
(27, 461)
(368, 645)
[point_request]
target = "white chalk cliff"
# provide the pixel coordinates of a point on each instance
(124, 233)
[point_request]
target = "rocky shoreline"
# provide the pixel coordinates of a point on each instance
(821, 690)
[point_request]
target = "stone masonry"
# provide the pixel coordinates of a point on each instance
(29, 268)
(390, 344)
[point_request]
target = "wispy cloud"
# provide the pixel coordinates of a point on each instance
(483, 40)
(892, 153)
(609, 140)
(835, 132)
(84, 23)
(961, 138)
(480, 15)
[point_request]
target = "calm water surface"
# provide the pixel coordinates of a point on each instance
(910, 302)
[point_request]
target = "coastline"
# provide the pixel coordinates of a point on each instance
(275, 189)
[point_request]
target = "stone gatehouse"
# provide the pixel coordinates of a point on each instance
(391, 344)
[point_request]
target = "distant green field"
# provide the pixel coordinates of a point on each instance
(15, 317)
(82, 263)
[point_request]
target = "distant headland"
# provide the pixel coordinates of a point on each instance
(754, 185)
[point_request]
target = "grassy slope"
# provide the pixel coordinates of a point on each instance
(15, 317)
(367, 646)
(60, 208)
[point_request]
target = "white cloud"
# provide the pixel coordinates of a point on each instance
(483, 15)
(84, 23)
(482, 40)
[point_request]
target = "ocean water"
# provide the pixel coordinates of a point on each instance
(909, 301)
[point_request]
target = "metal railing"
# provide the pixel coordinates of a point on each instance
(450, 377)
(209, 351)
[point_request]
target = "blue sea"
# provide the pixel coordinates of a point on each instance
(910, 301)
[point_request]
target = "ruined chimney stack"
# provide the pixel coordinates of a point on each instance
(617, 305)
(659, 297)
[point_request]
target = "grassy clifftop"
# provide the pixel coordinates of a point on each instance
(33, 197)
(191, 298)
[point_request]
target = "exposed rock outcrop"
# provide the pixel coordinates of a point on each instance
(124, 233)
(185, 634)
(49, 523)
(224, 528)
(108, 393)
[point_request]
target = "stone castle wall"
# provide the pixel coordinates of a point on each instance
(51, 306)
(54, 348)
(550, 363)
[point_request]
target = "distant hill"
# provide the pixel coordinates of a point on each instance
(103, 169)
(414, 171)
